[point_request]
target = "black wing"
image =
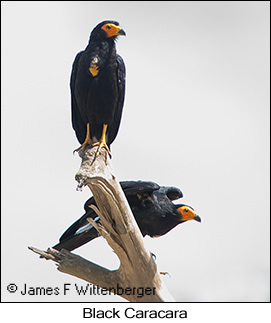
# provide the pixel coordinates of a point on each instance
(77, 122)
(139, 194)
(114, 128)
(138, 187)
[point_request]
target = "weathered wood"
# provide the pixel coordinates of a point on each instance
(77, 266)
(137, 269)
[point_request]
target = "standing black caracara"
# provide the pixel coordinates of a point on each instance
(97, 88)
(152, 208)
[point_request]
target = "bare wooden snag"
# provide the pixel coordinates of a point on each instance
(138, 272)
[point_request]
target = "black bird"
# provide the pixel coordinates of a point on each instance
(151, 205)
(97, 88)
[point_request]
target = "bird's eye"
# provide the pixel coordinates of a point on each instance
(108, 27)
(186, 210)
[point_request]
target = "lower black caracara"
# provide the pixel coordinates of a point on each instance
(97, 88)
(152, 208)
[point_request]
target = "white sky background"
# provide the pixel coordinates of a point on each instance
(196, 116)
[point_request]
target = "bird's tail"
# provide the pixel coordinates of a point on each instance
(77, 240)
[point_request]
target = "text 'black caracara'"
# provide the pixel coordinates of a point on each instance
(98, 87)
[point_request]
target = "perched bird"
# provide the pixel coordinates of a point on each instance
(97, 88)
(152, 208)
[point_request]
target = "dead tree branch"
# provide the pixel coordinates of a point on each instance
(119, 228)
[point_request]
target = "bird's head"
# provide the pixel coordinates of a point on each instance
(107, 29)
(187, 213)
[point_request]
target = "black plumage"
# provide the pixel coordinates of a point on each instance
(152, 208)
(98, 87)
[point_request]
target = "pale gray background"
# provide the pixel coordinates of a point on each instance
(196, 116)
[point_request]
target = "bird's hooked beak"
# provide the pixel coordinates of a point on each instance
(121, 32)
(113, 30)
(197, 218)
(188, 214)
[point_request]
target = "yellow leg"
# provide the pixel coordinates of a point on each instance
(87, 140)
(102, 142)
